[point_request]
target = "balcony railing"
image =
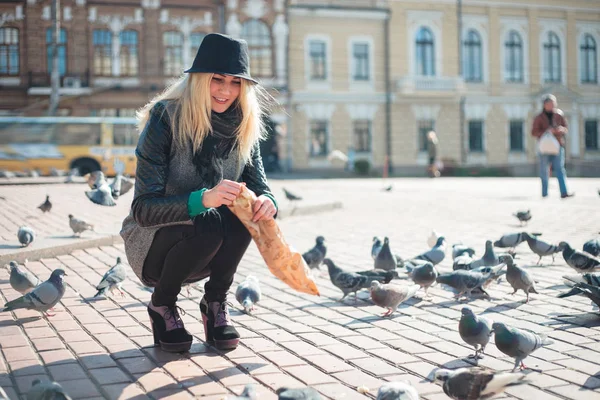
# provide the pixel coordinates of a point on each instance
(342, 3)
(36, 79)
(411, 84)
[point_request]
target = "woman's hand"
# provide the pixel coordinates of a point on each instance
(222, 194)
(263, 208)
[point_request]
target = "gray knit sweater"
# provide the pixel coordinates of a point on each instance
(165, 168)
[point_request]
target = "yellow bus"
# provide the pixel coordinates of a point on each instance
(64, 143)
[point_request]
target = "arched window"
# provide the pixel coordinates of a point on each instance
(173, 46)
(102, 39)
(62, 51)
(552, 61)
(513, 50)
(589, 62)
(425, 52)
(196, 39)
(473, 63)
(9, 51)
(258, 36)
(129, 53)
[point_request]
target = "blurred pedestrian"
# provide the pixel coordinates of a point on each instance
(550, 128)
(432, 151)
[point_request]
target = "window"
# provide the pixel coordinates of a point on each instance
(516, 139)
(552, 66)
(472, 66)
(62, 51)
(476, 136)
(9, 51)
(591, 134)
(173, 46)
(102, 40)
(425, 53)
(514, 57)
(589, 66)
(196, 39)
(318, 139)
(362, 135)
(360, 57)
(258, 36)
(423, 128)
(318, 60)
(124, 135)
(129, 53)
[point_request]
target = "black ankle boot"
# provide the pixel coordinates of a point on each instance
(217, 325)
(168, 329)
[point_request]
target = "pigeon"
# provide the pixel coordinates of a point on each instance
(46, 206)
(113, 278)
(489, 258)
(95, 179)
(493, 273)
(511, 240)
(248, 293)
(385, 259)
(380, 275)
(78, 225)
(376, 248)
(397, 391)
(7, 174)
(523, 216)
(433, 238)
(517, 343)
(570, 280)
(26, 235)
(46, 391)
(306, 393)
(592, 247)
(388, 188)
(56, 172)
(475, 331)
(3, 395)
(72, 173)
(390, 296)
(465, 281)
(437, 253)
(249, 393)
(423, 275)
(101, 196)
(463, 261)
(22, 281)
(43, 297)
(460, 249)
(590, 291)
(347, 282)
(476, 383)
(519, 278)
(120, 185)
(580, 261)
(543, 249)
(315, 256)
(290, 196)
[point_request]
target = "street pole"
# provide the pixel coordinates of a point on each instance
(55, 75)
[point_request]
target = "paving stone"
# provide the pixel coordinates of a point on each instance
(309, 375)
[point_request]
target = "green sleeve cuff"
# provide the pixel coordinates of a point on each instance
(195, 206)
(269, 195)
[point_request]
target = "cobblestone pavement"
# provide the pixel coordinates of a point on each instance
(102, 348)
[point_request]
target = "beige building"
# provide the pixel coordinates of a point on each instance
(480, 95)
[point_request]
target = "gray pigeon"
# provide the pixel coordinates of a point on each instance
(78, 225)
(45, 296)
(120, 185)
(475, 331)
(511, 240)
(519, 278)
(523, 216)
(95, 179)
(385, 259)
(380, 275)
(436, 254)
(249, 393)
(315, 256)
(306, 393)
(26, 235)
(543, 249)
(391, 296)
(3, 395)
(493, 272)
(102, 195)
(592, 247)
(572, 280)
(46, 391)
(489, 258)
(248, 293)
(376, 248)
(590, 291)
(22, 281)
(347, 282)
(423, 275)
(46, 206)
(463, 261)
(460, 249)
(517, 343)
(72, 174)
(580, 261)
(476, 383)
(113, 278)
(397, 391)
(464, 282)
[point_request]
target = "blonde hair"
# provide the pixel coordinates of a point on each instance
(191, 115)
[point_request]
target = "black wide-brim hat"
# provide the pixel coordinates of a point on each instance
(222, 54)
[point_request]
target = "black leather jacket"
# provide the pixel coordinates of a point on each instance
(151, 205)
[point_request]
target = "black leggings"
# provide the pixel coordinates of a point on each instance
(213, 246)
